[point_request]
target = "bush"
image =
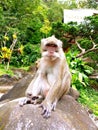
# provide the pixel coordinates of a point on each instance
(80, 81)
(79, 69)
(29, 56)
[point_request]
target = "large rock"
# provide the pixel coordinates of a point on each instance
(69, 115)
(10, 80)
(19, 89)
(6, 79)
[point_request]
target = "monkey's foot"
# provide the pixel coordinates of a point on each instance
(24, 101)
(34, 100)
(46, 109)
(37, 99)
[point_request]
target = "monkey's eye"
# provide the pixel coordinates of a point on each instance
(44, 50)
(51, 45)
(56, 51)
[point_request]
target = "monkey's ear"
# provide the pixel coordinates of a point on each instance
(53, 36)
(43, 40)
(60, 43)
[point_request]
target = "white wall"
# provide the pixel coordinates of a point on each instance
(77, 15)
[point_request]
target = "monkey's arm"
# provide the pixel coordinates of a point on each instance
(51, 99)
(55, 92)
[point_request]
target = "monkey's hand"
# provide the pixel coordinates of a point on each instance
(46, 109)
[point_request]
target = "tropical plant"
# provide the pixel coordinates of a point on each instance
(80, 71)
(6, 52)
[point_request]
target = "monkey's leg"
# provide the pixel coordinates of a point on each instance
(65, 87)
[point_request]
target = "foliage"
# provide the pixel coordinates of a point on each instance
(65, 32)
(85, 33)
(4, 71)
(46, 28)
(55, 10)
(29, 55)
(80, 81)
(72, 4)
(6, 53)
(33, 20)
(80, 71)
(89, 38)
(85, 43)
(25, 19)
(89, 98)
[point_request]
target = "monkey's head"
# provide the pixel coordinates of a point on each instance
(50, 47)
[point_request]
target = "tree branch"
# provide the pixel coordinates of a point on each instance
(13, 44)
(83, 51)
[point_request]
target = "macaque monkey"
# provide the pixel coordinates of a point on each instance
(52, 79)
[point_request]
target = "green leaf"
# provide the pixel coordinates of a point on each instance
(74, 86)
(80, 77)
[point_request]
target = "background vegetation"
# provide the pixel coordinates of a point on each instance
(23, 23)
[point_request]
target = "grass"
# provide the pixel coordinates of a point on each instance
(26, 68)
(89, 98)
(4, 71)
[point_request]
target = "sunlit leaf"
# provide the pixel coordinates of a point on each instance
(80, 77)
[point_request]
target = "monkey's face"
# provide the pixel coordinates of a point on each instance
(50, 47)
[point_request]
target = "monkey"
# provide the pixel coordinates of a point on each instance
(52, 79)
